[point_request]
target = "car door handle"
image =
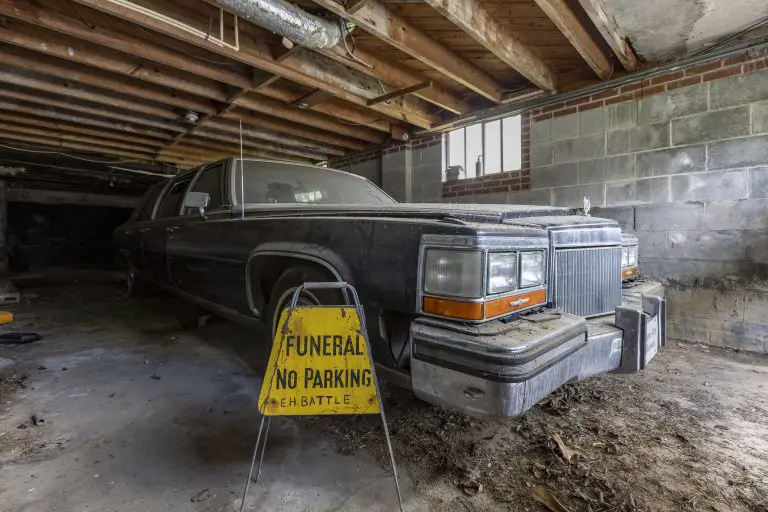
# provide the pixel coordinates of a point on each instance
(143, 230)
(171, 229)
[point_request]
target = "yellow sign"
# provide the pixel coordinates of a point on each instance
(319, 365)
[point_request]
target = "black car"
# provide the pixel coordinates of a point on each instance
(483, 308)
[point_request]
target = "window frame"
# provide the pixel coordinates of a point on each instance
(187, 175)
(226, 203)
(484, 125)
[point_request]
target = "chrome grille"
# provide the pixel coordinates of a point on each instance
(588, 280)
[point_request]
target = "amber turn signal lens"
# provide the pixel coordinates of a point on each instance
(453, 308)
(499, 307)
(628, 273)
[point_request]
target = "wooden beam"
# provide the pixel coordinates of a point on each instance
(280, 110)
(232, 143)
(137, 89)
(58, 144)
(92, 141)
(562, 16)
(76, 119)
(395, 30)
(399, 75)
(73, 90)
(400, 92)
(252, 127)
(75, 106)
(611, 33)
(297, 130)
(351, 114)
(111, 33)
(285, 50)
(355, 5)
(304, 68)
(310, 100)
(75, 50)
(40, 63)
(117, 138)
(480, 24)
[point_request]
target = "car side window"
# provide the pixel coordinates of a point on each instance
(147, 206)
(171, 202)
(212, 182)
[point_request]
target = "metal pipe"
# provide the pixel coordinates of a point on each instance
(288, 21)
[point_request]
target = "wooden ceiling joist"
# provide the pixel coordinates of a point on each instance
(75, 50)
(48, 65)
(475, 20)
(562, 16)
(115, 137)
(79, 107)
(88, 94)
(82, 120)
(61, 135)
(303, 68)
(278, 109)
(611, 33)
(399, 76)
(111, 33)
(399, 32)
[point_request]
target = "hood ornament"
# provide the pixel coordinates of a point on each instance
(587, 206)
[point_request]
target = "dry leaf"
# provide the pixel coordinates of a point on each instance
(544, 496)
(567, 453)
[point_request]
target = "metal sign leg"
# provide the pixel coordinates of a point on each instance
(253, 461)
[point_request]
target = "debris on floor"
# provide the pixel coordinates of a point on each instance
(660, 440)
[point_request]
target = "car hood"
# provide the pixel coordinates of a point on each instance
(476, 213)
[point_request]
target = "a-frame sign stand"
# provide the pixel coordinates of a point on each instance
(320, 364)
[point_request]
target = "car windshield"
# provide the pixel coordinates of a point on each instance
(285, 183)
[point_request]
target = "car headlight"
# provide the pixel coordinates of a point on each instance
(532, 269)
(629, 256)
(455, 273)
(502, 272)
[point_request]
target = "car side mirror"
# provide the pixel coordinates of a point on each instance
(197, 201)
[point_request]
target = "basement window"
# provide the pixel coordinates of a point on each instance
(485, 148)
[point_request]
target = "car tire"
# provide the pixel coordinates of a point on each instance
(135, 285)
(285, 287)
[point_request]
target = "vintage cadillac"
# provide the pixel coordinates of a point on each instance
(486, 309)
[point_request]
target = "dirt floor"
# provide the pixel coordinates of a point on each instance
(131, 405)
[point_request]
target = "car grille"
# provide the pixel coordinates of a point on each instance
(587, 280)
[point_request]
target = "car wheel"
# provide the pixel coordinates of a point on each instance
(135, 286)
(286, 285)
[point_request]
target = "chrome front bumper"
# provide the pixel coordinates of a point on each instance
(503, 369)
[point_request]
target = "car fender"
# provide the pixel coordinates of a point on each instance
(297, 250)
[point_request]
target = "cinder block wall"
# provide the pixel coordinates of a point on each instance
(681, 160)
(409, 172)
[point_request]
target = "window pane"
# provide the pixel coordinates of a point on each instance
(474, 147)
(492, 153)
(283, 183)
(456, 149)
(171, 203)
(512, 144)
(212, 182)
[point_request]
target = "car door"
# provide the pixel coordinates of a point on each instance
(202, 265)
(135, 231)
(156, 234)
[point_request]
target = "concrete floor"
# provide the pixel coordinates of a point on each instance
(144, 410)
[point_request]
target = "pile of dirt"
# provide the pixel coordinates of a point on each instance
(614, 443)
